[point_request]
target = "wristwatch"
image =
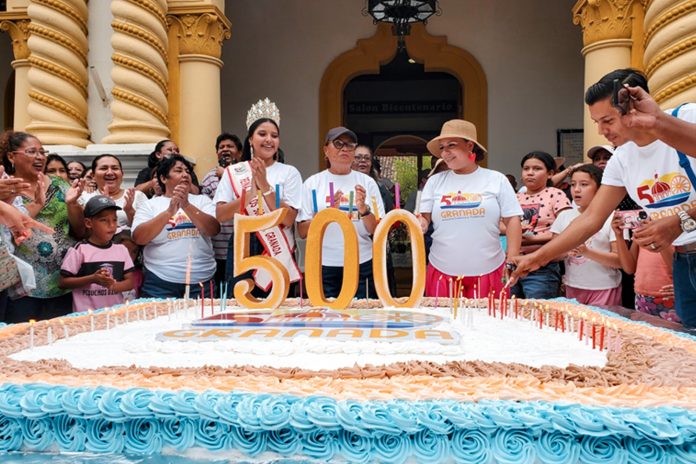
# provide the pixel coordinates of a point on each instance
(366, 213)
(688, 224)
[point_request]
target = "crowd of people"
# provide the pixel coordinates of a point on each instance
(75, 238)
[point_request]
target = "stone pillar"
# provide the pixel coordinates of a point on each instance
(57, 75)
(140, 76)
(200, 32)
(670, 51)
(18, 28)
(609, 37)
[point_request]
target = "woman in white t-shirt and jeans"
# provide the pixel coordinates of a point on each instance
(339, 149)
(592, 274)
(466, 205)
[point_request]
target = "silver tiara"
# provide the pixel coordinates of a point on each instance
(263, 109)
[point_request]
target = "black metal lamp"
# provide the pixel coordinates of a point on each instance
(401, 13)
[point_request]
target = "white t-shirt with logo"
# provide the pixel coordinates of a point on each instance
(285, 175)
(332, 246)
(653, 178)
(166, 255)
(582, 272)
(466, 211)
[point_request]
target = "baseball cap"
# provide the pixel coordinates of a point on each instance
(97, 204)
(336, 132)
(592, 152)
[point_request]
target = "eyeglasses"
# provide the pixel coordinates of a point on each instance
(340, 144)
(363, 157)
(33, 152)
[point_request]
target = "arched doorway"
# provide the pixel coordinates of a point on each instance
(432, 52)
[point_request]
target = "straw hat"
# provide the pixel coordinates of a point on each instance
(455, 128)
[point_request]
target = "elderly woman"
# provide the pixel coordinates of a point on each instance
(52, 202)
(176, 229)
(108, 175)
(466, 205)
(339, 149)
(268, 177)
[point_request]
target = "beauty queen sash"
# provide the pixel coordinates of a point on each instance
(276, 242)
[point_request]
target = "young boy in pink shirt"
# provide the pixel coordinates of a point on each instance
(97, 269)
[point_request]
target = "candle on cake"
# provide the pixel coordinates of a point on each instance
(315, 205)
(277, 195)
(31, 332)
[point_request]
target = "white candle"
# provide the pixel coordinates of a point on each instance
(49, 335)
(108, 320)
(91, 320)
(65, 329)
(127, 308)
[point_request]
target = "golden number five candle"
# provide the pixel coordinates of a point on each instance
(351, 270)
(379, 256)
(244, 226)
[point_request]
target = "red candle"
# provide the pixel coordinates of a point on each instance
(517, 306)
(601, 338)
(594, 328)
(202, 299)
(242, 202)
(563, 323)
(555, 322)
(541, 318)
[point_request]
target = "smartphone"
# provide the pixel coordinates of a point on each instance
(620, 97)
(631, 219)
(223, 162)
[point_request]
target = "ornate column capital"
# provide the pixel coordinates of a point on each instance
(200, 29)
(605, 19)
(18, 28)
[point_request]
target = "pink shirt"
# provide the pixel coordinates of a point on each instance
(85, 259)
(652, 273)
(540, 210)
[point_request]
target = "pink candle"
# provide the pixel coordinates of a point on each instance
(212, 311)
(397, 196)
(331, 194)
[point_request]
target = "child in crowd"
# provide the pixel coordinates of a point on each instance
(124, 238)
(592, 276)
(541, 204)
(653, 283)
(97, 269)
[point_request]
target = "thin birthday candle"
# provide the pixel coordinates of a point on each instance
(375, 210)
(601, 338)
(314, 201)
(437, 290)
(350, 204)
(301, 292)
(397, 196)
(212, 295)
(202, 299)
(242, 202)
(277, 189)
(259, 195)
(331, 194)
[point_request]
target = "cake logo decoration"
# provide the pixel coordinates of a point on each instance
(318, 323)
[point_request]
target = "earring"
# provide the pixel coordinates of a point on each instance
(472, 157)
(251, 151)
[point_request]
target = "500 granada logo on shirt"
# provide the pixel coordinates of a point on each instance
(461, 205)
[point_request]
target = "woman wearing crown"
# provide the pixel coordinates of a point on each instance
(466, 205)
(261, 177)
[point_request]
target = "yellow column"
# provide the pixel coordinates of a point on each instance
(670, 51)
(200, 31)
(140, 74)
(57, 77)
(609, 30)
(18, 28)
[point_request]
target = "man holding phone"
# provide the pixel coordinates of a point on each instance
(646, 164)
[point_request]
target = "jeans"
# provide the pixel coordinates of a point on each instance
(26, 308)
(684, 273)
(543, 283)
(154, 287)
(332, 280)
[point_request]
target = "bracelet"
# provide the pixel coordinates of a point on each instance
(366, 213)
(269, 191)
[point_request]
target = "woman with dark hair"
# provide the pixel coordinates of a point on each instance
(57, 167)
(366, 163)
(76, 170)
(108, 175)
(541, 204)
(466, 205)
(175, 230)
(146, 181)
(260, 175)
(52, 202)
